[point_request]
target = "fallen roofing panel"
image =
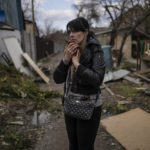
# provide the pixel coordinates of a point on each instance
(115, 75)
(131, 129)
(15, 52)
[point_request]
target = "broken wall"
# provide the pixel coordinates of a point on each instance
(127, 46)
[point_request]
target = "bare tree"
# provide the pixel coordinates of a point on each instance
(26, 7)
(117, 15)
(138, 22)
(47, 28)
(147, 21)
(89, 10)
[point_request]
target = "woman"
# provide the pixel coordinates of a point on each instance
(83, 58)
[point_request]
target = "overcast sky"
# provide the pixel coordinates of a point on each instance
(59, 12)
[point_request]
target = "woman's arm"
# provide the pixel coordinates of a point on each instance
(94, 75)
(60, 72)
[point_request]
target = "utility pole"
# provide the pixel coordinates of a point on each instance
(33, 19)
(33, 51)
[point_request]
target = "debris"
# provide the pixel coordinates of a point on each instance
(115, 75)
(117, 95)
(15, 51)
(142, 88)
(113, 144)
(5, 58)
(132, 80)
(147, 52)
(111, 92)
(108, 89)
(123, 102)
(46, 70)
(126, 126)
(143, 71)
(19, 117)
(108, 77)
(143, 77)
(147, 91)
(17, 123)
(35, 67)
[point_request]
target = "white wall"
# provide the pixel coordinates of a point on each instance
(29, 44)
(7, 33)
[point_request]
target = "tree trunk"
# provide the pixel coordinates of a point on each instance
(129, 32)
(121, 48)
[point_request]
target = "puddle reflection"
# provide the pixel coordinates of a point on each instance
(40, 117)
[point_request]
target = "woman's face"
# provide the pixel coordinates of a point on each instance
(78, 36)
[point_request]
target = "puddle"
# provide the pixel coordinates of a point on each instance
(54, 99)
(107, 114)
(40, 117)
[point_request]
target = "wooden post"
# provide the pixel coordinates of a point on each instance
(33, 19)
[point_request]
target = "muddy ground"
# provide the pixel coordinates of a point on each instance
(55, 137)
(45, 130)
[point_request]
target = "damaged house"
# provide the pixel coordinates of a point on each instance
(17, 40)
(12, 25)
(137, 43)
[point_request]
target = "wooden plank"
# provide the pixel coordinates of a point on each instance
(143, 71)
(109, 90)
(132, 80)
(35, 67)
(143, 77)
(124, 102)
(142, 88)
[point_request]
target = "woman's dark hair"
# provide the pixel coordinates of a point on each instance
(79, 24)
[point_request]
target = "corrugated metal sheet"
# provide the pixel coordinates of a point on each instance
(13, 13)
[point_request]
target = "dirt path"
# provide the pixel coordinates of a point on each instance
(55, 136)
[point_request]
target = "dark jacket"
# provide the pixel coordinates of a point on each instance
(89, 74)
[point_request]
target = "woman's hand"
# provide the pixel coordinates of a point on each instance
(75, 59)
(69, 51)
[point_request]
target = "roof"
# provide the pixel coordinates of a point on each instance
(108, 30)
(99, 29)
(124, 28)
(27, 21)
(4, 26)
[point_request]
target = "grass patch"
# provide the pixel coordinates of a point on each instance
(129, 91)
(14, 84)
(126, 90)
(113, 108)
(19, 93)
(16, 141)
(127, 65)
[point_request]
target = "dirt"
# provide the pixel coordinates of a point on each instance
(51, 135)
(55, 136)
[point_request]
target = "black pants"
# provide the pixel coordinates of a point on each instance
(82, 133)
